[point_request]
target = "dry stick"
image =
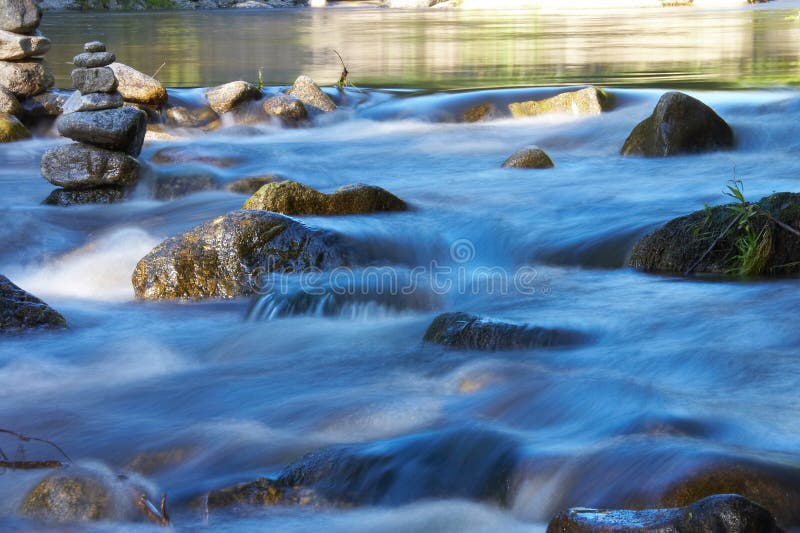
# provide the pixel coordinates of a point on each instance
(343, 76)
(785, 226)
(159, 69)
(713, 244)
(155, 515)
(24, 438)
(30, 465)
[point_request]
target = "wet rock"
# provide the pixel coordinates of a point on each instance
(288, 109)
(14, 46)
(94, 46)
(725, 512)
(8, 102)
(19, 16)
(80, 494)
(292, 198)
(679, 124)
(93, 59)
(172, 186)
(92, 102)
(100, 195)
(264, 492)
(192, 154)
(308, 92)
(26, 78)
(218, 258)
(252, 184)
(152, 462)
(185, 117)
(20, 311)
(682, 243)
(82, 166)
(138, 87)
(588, 101)
(225, 97)
(470, 332)
(479, 112)
(46, 104)
(116, 129)
(528, 158)
(94, 80)
(11, 129)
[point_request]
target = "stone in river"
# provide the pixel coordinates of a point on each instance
(94, 46)
(11, 129)
(138, 87)
(82, 166)
(15, 46)
(588, 101)
(26, 78)
(225, 97)
(93, 59)
(19, 16)
(94, 80)
(46, 104)
(92, 102)
(21, 311)
(528, 158)
(288, 109)
(8, 102)
(100, 195)
(308, 92)
(121, 129)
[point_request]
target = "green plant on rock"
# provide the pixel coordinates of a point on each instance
(260, 81)
(754, 243)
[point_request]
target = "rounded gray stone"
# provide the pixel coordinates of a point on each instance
(121, 129)
(14, 46)
(94, 80)
(94, 46)
(81, 166)
(19, 16)
(92, 102)
(26, 78)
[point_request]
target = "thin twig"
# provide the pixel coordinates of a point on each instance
(713, 244)
(164, 64)
(155, 515)
(785, 226)
(25, 438)
(30, 465)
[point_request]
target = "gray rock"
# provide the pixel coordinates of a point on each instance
(26, 78)
(94, 46)
(308, 92)
(172, 186)
(8, 102)
(138, 87)
(19, 16)
(185, 117)
(529, 158)
(588, 101)
(14, 46)
(93, 59)
(218, 259)
(470, 332)
(288, 109)
(225, 97)
(92, 102)
(81, 166)
(116, 129)
(94, 80)
(46, 104)
(679, 124)
(729, 513)
(12, 130)
(20, 311)
(101, 195)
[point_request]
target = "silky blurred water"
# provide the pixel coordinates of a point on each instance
(676, 372)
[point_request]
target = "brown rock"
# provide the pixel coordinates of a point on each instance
(225, 97)
(138, 87)
(26, 78)
(588, 101)
(529, 158)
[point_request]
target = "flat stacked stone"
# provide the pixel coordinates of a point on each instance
(23, 71)
(109, 135)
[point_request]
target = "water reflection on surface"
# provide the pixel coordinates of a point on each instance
(444, 49)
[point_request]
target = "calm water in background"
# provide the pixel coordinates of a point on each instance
(679, 372)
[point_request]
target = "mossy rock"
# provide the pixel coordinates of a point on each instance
(681, 243)
(587, 101)
(480, 112)
(292, 198)
(21, 311)
(679, 124)
(529, 158)
(251, 184)
(11, 129)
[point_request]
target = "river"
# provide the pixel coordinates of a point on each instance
(679, 372)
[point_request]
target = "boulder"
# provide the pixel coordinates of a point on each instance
(14, 46)
(11, 129)
(8, 102)
(727, 513)
(308, 92)
(138, 87)
(288, 109)
(172, 186)
(120, 129)
(219, 258)
(479, 112)
(94, 80)
(20, 311)
(82, 166)
(684, 244)
(252, 184)
(26, 78)
(93, 59)
(19, 16)
(588, 101)
(225, 97)
(292, 198)
(470, 332)
(679, 124)
(100, 195)
(528, 158)
(46, 104)
(185, 117)
(92, 102)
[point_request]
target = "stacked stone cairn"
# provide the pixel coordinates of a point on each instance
(23, 72)
(101, 167)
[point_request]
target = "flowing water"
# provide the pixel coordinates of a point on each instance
(678, 373)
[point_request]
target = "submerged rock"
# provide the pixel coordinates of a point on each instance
(46, 104)
(8, 102)
(82, 166)
(26, 78)
(470, 332)
(727, 513)
(11, 129)
(220, 258)
(194, 154)
(19, 16)
(185, 117)
(479, 112)
(14, 46)
(588, 101)
(172, 186)
(20, 311)
(292, 198)
(679, 124)
(251, 184)
(528, 158)
(308, 92)
(138, 87)
(225, 97)
(288, 109)
(686, 242)
(115, 129)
